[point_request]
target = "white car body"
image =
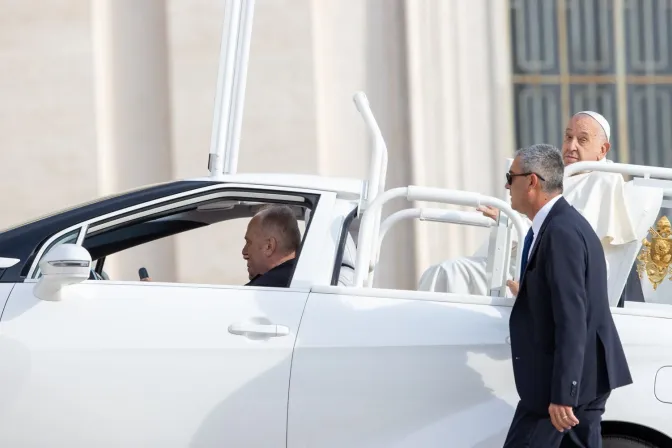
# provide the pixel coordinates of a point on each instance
(111, 363)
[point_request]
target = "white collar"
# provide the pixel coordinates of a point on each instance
(541, 215)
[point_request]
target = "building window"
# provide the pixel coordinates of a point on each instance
(611, 56)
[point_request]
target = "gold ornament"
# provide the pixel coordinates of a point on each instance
(656, 255)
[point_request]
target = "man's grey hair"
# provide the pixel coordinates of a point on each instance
(280, 221)
(545, 161)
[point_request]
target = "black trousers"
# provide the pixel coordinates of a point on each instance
(531, 430)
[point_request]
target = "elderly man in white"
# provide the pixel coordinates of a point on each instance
(598, 196)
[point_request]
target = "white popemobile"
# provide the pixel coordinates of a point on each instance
(327, 362)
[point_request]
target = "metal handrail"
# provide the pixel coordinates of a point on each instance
(378, 166)
(475, 219)
(621, 168)
(368, 226)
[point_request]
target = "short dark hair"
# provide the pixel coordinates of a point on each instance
(280, 221)
(546, 161)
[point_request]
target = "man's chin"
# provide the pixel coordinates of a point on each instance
(569, 160)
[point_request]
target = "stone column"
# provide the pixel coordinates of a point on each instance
(461, 113)
(360, 46)
(133, 114)
(387, 82)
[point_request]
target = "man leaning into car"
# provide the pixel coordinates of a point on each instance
(271, 242)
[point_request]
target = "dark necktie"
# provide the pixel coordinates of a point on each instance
(526, 251)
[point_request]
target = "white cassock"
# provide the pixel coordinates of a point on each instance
(598, 196)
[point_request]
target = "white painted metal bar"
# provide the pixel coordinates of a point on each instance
(368, 226)
(621, 168)
(428, 214)
(436, 215)
(240, 84)
(225, 76)
(231, 83)
(378, 167)
(499, 257)
(378, 164)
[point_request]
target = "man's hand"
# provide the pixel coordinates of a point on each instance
(562, 417)
(513, 286)
(146, 279)
(488, 211)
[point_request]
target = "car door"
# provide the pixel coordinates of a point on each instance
(401, 369)
(147, 364)
(5, 289)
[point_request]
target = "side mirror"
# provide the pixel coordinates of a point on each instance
(65, 264)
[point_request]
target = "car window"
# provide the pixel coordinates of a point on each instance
(189, 244)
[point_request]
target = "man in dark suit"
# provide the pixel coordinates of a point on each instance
(566, 352)
(271, 242)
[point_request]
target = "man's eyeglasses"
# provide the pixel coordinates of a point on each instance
(510, 176)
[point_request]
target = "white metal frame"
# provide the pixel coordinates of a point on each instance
(498, 262)
(368, 228)
(375, 185)
(428, 214)
(622, 168)
(499, 251)
(231, 84)
(435, 215)
(379, 157)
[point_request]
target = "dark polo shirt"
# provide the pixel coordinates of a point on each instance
(278, 277)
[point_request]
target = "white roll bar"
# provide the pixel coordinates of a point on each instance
(651, 176)
(436, 215)
(231, 84)
(378, 165)
(621, 168)
(428, 214)
(368, 225)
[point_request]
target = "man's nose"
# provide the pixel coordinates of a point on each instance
(574, 145)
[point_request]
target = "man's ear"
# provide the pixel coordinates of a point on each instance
(604, 149)
(271, 246)
(533, 181)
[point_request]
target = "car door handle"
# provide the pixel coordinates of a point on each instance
(264, 330)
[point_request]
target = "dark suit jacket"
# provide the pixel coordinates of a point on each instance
(279, 276)
(564, 344)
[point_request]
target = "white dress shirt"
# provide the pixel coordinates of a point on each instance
(540, 217)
